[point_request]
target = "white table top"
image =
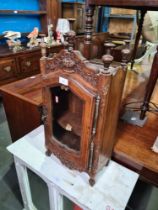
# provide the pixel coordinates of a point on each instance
(113, 187)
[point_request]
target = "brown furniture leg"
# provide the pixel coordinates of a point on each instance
(150, 86)
(143, 12)
(88, 32)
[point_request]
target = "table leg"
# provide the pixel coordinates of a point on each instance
(24, 185)
(150, 86)
(88, 32)
(55, 198)
(143, 12)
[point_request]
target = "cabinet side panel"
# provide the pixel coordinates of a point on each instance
(113, 109)
(22, 116)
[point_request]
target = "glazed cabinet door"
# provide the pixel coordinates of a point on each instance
(69, 122)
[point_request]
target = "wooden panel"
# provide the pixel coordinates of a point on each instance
(28, 89)
(122, 11)
(76, 11)
(22, 116)
(22, 100)
(98, 40)
(29, 63)
(7, 68)
(121, 26)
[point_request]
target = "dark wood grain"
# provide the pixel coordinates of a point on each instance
(22, 100)
(132, 4)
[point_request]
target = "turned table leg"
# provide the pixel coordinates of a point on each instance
(143, 12)
(88, 32)
(150, 86)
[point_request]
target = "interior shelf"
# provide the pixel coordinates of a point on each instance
(71, 122)
(22, 12)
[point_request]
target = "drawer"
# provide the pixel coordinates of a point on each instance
(7, 69)
(29, 63)
(55, 49)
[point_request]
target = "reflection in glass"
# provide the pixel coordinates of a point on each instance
(67, 117)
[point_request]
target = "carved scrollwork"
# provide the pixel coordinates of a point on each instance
(103, 92)
(66, 162)
(64, 60)
(68, 63)
(71, 63)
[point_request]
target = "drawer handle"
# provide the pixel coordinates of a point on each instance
(28, 63)
(7, 68)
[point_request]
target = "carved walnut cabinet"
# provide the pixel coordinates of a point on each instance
(80, 109)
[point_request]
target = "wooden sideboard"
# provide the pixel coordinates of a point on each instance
(15, 66)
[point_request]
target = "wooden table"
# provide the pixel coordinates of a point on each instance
(142, 5)
(23, 99)
(133, 147)
(130, 4)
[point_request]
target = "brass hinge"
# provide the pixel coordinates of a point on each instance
(95, 119)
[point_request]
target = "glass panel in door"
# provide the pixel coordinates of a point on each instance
(67, 117)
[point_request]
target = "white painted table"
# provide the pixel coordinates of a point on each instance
(112, 190)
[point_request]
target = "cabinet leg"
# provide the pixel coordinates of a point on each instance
(108, 162)
(48, 153)
(24, 185)
(92, 181)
